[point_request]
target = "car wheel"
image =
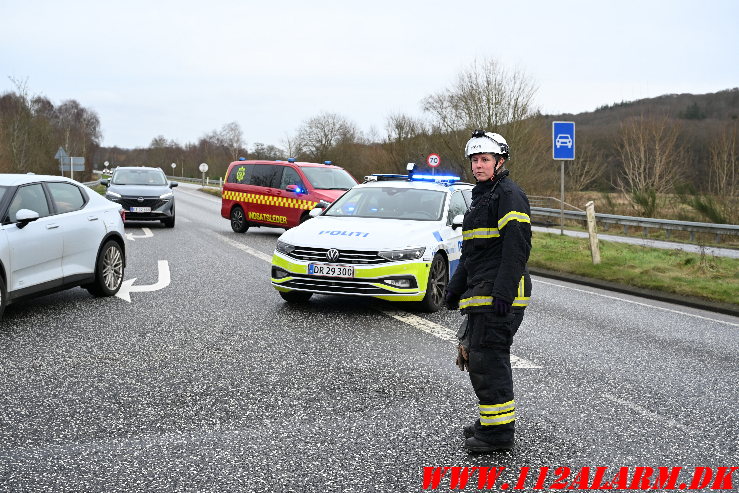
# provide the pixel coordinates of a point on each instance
(3, 297)
(295, 296)
(238, 221)
(108, 270)
(438, 279)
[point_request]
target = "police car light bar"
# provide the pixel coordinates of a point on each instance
(436, 178)
(383, 177)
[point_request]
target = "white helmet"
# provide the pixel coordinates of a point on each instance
(486, 142)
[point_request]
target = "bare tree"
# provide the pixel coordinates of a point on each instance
(586, 169)
(652, 160)
(270, 152)
(722, 163)
(17, 125)
(233, 138)
(320, 137)
(488, 96)
(723, 180)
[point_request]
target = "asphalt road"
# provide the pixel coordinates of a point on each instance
(213, 383)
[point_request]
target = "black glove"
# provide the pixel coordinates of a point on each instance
(451, 300)
(501, 307)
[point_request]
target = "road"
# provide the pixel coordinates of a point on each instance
(213, 383)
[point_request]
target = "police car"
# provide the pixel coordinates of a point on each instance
(394, 237)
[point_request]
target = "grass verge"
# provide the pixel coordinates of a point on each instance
(673, 271)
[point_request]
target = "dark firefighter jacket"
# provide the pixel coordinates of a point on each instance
(496, 236)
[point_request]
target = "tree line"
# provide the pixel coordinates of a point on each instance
(650, 155)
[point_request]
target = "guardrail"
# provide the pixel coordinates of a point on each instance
(667, 225)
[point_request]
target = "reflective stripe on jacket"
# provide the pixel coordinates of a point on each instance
(496, 235)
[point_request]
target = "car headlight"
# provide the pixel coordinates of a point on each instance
(112, 195)
(283, 247)
(167, 195)
(409, 254)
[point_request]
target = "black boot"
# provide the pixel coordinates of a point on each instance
(477, 446)
(468, 431)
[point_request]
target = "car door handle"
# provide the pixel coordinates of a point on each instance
(52, 226)
(93, 218)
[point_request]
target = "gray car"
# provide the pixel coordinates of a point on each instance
(145, 194)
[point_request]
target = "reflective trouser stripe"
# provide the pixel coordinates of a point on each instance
(497, 414)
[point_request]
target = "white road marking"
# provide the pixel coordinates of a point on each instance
(646, 412)
(247, 249)
(445, 333)
(636, 302)
(147, 234)
(127, 287)
(436, 330)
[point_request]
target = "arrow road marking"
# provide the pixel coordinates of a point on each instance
(147, 234)
(127, 287)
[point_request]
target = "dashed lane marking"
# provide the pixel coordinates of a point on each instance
(247, 249)
(444, 333)
(646, 412)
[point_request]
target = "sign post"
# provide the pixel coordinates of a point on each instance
(203, 169)
(60, 155)
(433, 160)
(563, 149)
(174, 165)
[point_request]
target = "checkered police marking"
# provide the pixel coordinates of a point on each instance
(254, 198)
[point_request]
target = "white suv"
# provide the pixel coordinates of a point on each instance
(56, 233)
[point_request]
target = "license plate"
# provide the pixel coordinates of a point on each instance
(329, 270)
(140, 209)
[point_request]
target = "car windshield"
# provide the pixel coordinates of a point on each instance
(139, 177)
(3, 191)
(390, 203)
(328, 178)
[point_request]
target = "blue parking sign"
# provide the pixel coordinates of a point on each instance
(563, 140)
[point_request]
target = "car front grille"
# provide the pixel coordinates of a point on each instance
(356, 257)
(338, 286)
(153, 202)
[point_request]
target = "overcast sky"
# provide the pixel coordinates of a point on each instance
(184, 68)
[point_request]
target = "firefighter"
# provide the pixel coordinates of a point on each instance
(492, 287)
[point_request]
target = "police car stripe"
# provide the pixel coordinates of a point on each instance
(513, 216)
(254, 198)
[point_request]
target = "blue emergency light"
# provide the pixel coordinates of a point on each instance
(327, 162)
(436, 178)
(291, 160)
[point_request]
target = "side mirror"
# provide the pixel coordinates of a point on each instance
(25, 216)
(173, 184)
(105, 182)
(315, 212)
(322, 204)
(457, 221)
